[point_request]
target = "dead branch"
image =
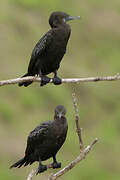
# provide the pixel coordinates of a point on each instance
(32, 173)
(78, 129)
(67, 80)
(73, 163)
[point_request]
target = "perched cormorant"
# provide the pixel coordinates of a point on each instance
(45, 141)
(50, 49)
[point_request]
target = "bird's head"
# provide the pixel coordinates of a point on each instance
(60, 111)
(59, 18)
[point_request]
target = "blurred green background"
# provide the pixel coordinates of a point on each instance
(93, 49)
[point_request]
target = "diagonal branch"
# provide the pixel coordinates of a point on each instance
(32, 173)
(74, 162)
(78, 129)
(69, 80)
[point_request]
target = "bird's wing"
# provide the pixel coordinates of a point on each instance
(37, 136)
(39, 49)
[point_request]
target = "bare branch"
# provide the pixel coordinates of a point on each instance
(73, 163)
(78, 129)
(69, 80)
(32, 173)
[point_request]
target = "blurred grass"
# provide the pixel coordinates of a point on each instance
(93, 50)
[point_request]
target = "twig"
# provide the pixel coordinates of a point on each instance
(78, 129)
(32, 173)
(73, 163)
(69, 80)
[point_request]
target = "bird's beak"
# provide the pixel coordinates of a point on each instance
(60, 115)
(69, 18)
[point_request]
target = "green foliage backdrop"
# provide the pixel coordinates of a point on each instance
(93, 49)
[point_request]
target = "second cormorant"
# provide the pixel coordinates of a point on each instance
(45, 141)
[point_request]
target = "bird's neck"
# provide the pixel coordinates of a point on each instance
(64, 29)
(61, 25)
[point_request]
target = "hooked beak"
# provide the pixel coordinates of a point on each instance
(69, 18)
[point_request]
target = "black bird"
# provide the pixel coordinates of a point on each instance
(50, 49)
(45, 141)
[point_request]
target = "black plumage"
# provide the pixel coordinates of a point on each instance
(45, 141)
(50, 49)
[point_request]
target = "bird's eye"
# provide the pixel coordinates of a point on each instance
(57, 113)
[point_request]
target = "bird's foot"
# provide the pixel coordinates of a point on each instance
(56, 165)
(44, 80)
(41, 169)
(57, 80)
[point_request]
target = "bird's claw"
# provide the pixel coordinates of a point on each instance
(57, 80)
(56, 165)
(44, 80)
(41, 169)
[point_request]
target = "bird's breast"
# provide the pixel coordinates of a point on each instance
(52, 56)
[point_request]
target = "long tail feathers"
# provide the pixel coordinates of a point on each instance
(25, 83)
(18, 163)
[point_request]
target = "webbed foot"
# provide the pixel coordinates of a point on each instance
(41, 169)
(57, 80)
(56, 165)
(44, 80)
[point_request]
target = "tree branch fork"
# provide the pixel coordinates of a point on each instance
(67, 80)
(80, 157)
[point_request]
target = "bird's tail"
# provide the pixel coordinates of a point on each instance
(25, 83)
(18, 163)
